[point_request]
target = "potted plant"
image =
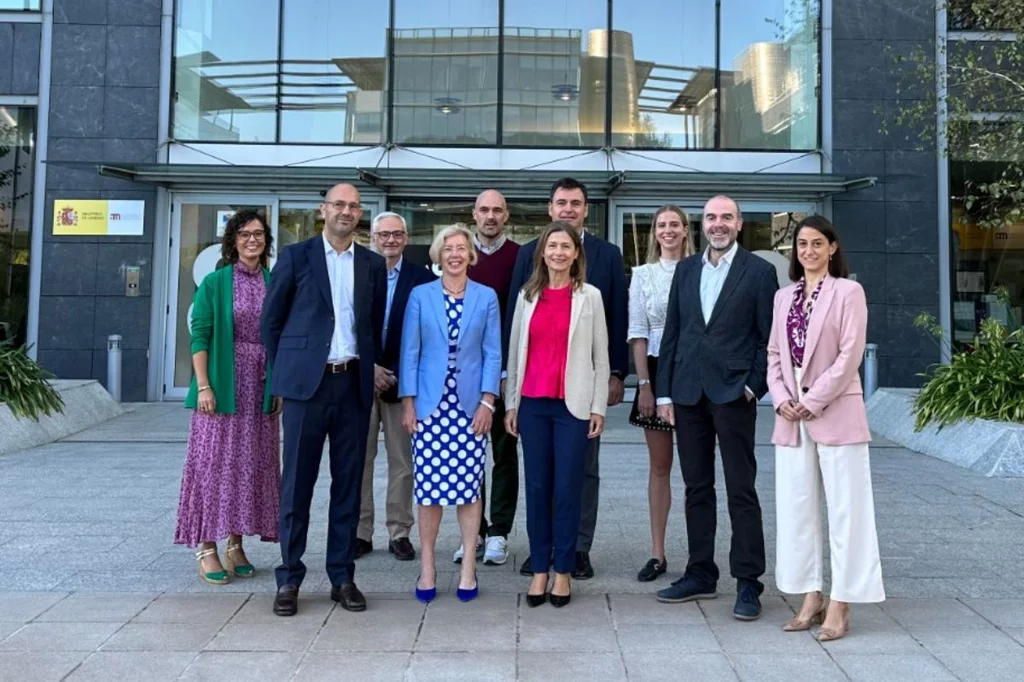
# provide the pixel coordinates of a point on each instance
(983, 381)
(23, 385)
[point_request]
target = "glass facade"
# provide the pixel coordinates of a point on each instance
(17, 143)
(26, 5)
(986, 259)
(662, 74)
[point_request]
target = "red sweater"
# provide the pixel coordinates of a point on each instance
(495, 271)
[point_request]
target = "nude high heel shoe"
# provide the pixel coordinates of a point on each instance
(797, 624)
(830, 634)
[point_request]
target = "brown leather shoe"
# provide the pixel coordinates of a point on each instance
(402, 549)
(349, 596)
(286, 603)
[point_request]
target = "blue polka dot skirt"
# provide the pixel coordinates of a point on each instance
(448, 459)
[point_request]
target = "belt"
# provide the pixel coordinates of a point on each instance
(339, 367)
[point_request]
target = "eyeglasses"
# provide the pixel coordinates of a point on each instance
(388, 236)
(255, 236)
(448, 250)
(342, 205)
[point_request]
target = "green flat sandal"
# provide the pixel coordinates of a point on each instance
(213, 577)
(240, 570)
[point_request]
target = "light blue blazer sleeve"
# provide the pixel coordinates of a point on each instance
(490, 379)
(409, 366)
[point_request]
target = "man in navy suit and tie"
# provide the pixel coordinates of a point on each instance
(605, 270)
(322, 322)
(388, 237)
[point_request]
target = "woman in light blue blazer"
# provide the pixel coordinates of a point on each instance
(449, 376)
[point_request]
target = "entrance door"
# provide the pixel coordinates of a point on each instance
(197, 223)
(196, 227)
(767, 231)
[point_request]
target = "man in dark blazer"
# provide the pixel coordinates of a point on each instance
(714, 366)
(605, 270)
(321, 324)
(389, 237)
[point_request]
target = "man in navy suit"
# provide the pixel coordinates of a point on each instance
(714, 368)
(322, 321)
(605, 270)
(388, 237)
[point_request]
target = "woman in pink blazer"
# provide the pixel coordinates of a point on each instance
(821, 434)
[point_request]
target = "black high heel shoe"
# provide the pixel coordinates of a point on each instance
(559, 600)
(535, 600)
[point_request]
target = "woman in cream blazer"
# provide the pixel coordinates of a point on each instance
(821, 434)
(556, 394)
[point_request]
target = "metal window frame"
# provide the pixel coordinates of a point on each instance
(42, 137)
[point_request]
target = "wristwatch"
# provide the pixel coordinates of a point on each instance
(643, 382)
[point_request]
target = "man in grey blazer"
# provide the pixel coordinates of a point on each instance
(714, 368)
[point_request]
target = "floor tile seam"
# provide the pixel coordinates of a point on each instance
(415, 641)
(519, 621)
(51, 606)
(615, 629)
(95, 651)
(718, 641)
(919, 643)
(981, 615)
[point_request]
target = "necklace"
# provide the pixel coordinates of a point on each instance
(452, 292)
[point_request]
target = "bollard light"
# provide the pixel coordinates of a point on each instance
(870, 369)
(114, 367)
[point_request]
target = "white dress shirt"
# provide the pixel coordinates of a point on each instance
(712, 278)
(341, 272)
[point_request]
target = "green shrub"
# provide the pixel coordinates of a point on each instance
(985, 381)
(24, 387)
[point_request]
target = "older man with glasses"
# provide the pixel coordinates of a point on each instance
(389, 237)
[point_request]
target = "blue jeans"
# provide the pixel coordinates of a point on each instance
(554, 457)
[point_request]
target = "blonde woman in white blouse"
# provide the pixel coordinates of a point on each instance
(648, 304)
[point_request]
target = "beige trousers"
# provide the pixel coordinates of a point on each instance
(399, 448)
(844, 472)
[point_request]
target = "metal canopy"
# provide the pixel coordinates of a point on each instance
(464, 182)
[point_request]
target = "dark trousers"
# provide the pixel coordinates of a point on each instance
(554, 457)
(590, 495)
(504, 478)
(334, 413)
(696, 429)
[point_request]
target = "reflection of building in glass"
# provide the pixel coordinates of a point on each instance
(445, 90)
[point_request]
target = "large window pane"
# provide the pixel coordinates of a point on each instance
(986, 259)
(555, 73)
(446, 72)
(17, 129)
(333, 90)
(663, 81)
(768, 54)
(225, 70)
(19, 4)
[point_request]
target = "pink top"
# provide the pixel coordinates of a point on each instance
(548, 345)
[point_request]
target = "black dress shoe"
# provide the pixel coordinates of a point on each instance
(402, 549)
(525, 569)
(286, 603)
(363, 547)
(535, 600)
(349, 596)
(584, 569)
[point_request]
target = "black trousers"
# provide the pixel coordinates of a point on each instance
(696, 429)
(334, 413)
(504, 478)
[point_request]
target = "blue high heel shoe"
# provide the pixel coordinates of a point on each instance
(425, 596)
(470, 594)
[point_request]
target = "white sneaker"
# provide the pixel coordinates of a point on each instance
(497, 551)
(457, 557)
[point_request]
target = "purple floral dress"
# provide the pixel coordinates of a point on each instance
(231, 482)
(797, 320)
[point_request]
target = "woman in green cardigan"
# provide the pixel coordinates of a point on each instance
(231, 483)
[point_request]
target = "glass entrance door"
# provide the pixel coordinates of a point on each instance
(197, 224)
(767, 231)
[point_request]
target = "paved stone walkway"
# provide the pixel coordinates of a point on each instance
(92, 588)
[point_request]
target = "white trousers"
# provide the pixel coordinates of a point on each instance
(845, 473)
